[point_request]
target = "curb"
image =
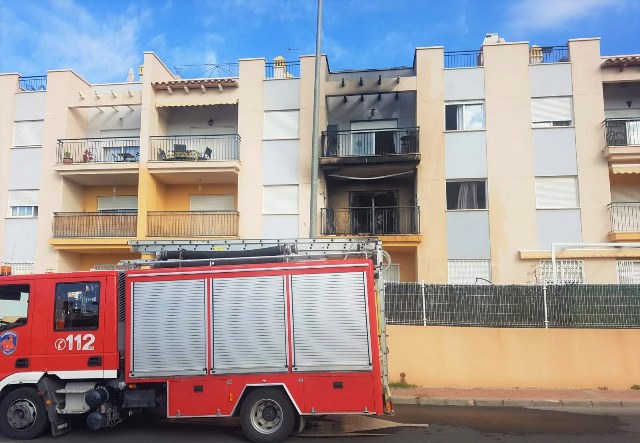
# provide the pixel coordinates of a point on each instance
(500, 402)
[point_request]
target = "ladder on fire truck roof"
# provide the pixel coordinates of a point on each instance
(289, 250)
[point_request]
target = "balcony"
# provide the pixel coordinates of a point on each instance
(381, 221)
(98, 150)
(548, 54)
(625, 221)
(33, 83)
(186, 224)
(622, 144)
(463, 59)
(94, 224)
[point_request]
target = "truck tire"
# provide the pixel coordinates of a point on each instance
(22, 414)
(267, 416)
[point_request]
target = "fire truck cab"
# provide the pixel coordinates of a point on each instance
(272, 341)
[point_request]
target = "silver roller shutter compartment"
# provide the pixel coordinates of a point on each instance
(169, 328)
(330, 322)
(249, 325)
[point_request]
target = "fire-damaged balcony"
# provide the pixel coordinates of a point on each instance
(185, 224)
(94, 224)
(392, 220)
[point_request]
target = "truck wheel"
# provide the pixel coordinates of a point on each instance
(22, 414)
(267, 416)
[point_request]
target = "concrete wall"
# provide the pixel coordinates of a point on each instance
(509, 358)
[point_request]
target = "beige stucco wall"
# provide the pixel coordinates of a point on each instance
(509, 358)
(8, 88)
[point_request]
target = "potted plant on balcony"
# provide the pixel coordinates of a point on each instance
(66, 158)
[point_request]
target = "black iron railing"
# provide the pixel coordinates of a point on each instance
(33, 83)
(624, 216)
(463, 59)
(94, 224)
(365, 143)
(98, 150)
(192, 223)
(212, 70)
(385, 220)
(548, 54)
(195, 148)
(282, 70)
(622, 132)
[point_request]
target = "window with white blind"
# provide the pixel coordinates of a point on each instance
(556, 192)
(628, 272)
(391, 273)
(28, 133)
(280, 125)
(464, 116)
(567, 272)
(211, 202)
(118, 203)
(23, 203)
(551, 111)
(469, 272)
(280, 200)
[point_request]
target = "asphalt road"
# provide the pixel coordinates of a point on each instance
(447, 424)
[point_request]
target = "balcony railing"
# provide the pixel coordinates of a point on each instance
(94, 224)
(385, 220)
(548, 54)
(194, 148)
(282, 70)
(98, 150)
(211, 70)
(192, 223)
(34, 83)
(368, 143)
(622, 132)
(625, 216)
(463, 59)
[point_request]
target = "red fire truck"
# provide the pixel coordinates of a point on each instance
(272, 333)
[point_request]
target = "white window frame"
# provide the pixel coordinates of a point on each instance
(461, 118)
(550, 122)
(27, 200)
(469, 272)
(568, 272)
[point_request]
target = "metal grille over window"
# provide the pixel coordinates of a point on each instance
(628, 272)
(249, 325)
(330, 322)
(567, 272)
(469, 272)
(168, 328)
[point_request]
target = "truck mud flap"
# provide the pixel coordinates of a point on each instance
(47, 389)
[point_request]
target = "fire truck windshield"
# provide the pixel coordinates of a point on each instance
(14, 301)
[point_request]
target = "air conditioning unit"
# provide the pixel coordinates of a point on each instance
(492, 38)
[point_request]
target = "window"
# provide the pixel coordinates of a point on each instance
(77, 306)
(469, 272)
(23, 203)
(464, 116)
(280, 200)
(211, 202)
(551, 111)
(556, 192)
(118, 203)
(14, 302)
(392, 273)
(628, 272)
(280, 125)
(466, 195)
(567, 272)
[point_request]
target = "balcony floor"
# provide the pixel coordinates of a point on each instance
(190, 172)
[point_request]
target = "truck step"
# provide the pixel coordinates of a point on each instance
(75, 390)
(72, 411)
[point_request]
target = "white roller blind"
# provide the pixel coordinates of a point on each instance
(280, 200)
(551, 109)
(28, 133)
(374, 124)
(556, 192)
(211, 202)
(115, 202)
(281, 125)
(23, 198)
(625, 194)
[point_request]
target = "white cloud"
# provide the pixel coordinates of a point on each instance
(539, 15)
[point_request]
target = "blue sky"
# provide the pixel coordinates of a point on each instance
(101, 40)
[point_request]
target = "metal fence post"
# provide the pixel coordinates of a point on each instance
(424, 305)
(546, 310)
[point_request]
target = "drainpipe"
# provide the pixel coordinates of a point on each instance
(313, 207)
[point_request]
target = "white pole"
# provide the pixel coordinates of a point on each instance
(313, 206)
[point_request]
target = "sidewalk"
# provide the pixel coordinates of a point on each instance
(529, 398)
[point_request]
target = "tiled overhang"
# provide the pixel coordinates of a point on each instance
(621, 62)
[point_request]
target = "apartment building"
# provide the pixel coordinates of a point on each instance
(472, 166)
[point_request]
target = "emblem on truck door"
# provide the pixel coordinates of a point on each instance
(8, 342)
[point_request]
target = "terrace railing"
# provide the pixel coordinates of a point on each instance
(624, 216)
(192, 223)
(622, 132)
(98, 150)
(195, 148)
(367, 143)
(33, 83)
(389, 220)
(548, 54)
(282, 70)
(94, 224)
(463, 59)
